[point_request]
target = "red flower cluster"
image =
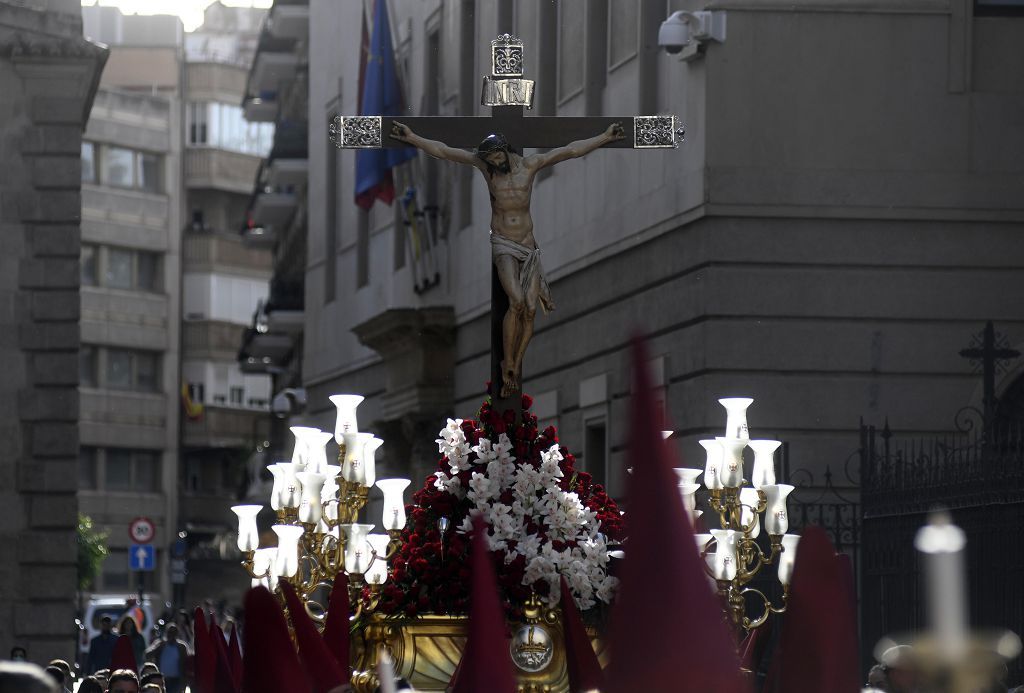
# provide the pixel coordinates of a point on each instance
(430, 573)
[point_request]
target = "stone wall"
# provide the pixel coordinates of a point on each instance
(48, 76)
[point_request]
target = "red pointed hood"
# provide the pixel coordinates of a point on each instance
(269, 662)
(321, 666)
(667, 627)
(585, 672)
(486, 664)
(206, 655)
(818, 647)
(336, 629)
(235, 657)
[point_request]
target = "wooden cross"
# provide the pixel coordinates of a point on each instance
(507, 93)
(990, 352)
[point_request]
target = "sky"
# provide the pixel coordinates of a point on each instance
(190, 11)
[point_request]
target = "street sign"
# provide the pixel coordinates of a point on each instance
(141, 557)
(179, 570)
(142, 530)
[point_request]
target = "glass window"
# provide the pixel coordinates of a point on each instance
(148, 265)
(149, 172)
(89, 253)
(115, 570)
(88, 162)
(147, 376)
(118, 470)
(147, 471)
(197, 123)
(87, 468)
(118, 166)
(119, 369)
(237, 394)
(623, 33)
(570, 47)
(119, 268)
(87, 365)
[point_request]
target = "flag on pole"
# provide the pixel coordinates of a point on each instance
(381, 95)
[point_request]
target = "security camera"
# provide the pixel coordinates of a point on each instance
(681, 27)
(288, 402)
(674, 33)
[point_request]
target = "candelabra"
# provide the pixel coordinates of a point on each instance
(317, 508)
(731, 554)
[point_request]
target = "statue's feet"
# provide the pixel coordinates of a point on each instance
(509, 382)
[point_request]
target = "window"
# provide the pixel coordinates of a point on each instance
(119, 469)
(88, 258)
(120, 268)
(623, 30)
(118, 274)
(149, 172)
(115, 570)
(197, 392)
(118, 167)
(224, 126)
(87, 468)
(197, 123)
(994, 8)
(88, 162)
(132, 370)
(595, 450)
(571, 17)
(87, 366)
(146, 270)
(237, 395)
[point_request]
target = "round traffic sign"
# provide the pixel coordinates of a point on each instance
(142, 530)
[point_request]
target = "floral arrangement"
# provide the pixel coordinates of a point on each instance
(545, 520)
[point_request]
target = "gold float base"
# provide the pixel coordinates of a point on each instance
(426, 650)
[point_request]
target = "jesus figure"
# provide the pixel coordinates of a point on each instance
(513, 248)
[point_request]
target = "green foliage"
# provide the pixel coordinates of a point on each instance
(92, 549)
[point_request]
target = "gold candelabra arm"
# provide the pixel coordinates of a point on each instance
(749, 551)
(769, 609)
(249, 564)
(394, 544)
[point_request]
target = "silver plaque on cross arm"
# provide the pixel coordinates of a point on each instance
(655, 132)
(356, 132)
(506, 56)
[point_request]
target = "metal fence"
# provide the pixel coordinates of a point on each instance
(978, 474)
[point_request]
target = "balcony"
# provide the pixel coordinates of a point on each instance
(287, 173)
(226, 427)
(217, 169)
(209, 252)
(274, 209)
(260, 109)
(271, 68)
(210, 340)
(289, 21)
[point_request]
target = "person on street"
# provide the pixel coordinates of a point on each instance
(101, 648)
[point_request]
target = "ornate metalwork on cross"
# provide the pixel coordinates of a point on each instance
(497, 142)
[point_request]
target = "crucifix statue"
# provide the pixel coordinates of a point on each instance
(514, 250)
(518, 284)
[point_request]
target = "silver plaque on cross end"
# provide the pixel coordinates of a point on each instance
(657, 132)
(506, 56)
(507, 92)
(356, 132)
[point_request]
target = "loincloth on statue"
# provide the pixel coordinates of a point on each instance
(529, 267)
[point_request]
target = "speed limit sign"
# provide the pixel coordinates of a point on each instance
(142, 530)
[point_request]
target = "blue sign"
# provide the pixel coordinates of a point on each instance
(141, 557)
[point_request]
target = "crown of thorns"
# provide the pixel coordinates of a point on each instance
(495, 142)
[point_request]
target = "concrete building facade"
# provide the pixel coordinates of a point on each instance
(48, 77)
(844, 216)
(130, 268)
(223, 434)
